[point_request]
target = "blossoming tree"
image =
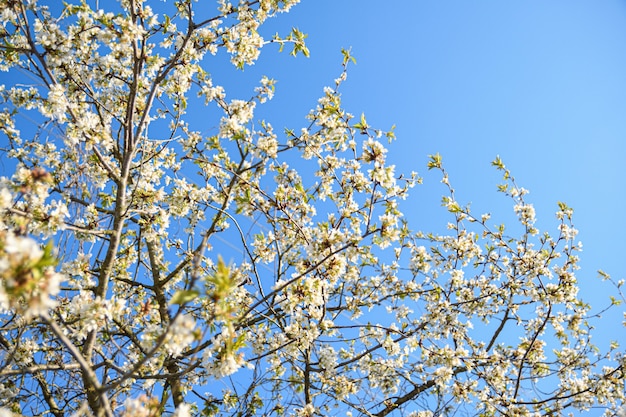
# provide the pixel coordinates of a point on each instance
(116, 211)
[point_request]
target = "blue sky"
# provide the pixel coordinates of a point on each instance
(542, 84)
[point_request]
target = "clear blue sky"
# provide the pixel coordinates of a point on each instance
(542, 84)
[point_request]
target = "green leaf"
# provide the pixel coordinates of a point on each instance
(362, 125)
(391, 135)
(298, 38)
(347, 56)
(435, 161)
(184, 296)
(497, 163)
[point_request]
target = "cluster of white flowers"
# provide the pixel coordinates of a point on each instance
(526, 213)
(57, 103)
(5, 412)
(27, 282)
(143, 406)
(94, 313)
(183, 410)
(221, 360)
(328, 360)
(50, 37)
(307, 411)
(239, 112)
(211, 92)
(420, 260)
(242, 40)
(268, 145)
(225, 366)
(373, 151)
(568, 232)
(181, 333)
